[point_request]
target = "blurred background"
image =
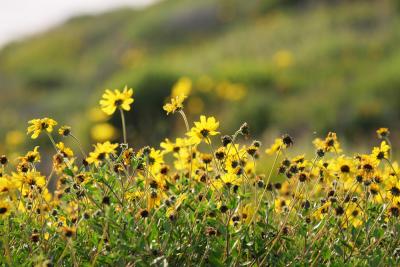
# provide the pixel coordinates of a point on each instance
(303, 67)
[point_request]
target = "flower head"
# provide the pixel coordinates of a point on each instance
(203, 129)
(39, 125)
(330, 144)
(175, 105)
(32, 156)
(101, 152)
(64, 130)
(116, 99)
(5, 208)
(275, 147)
(64, 150)
(381, 152)
(383, 132)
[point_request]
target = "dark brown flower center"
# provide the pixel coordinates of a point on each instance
(101, 156)
(44, 125)
(3, 210)
(345, 169)
(204, 132)
(118, 102)
(395, 191)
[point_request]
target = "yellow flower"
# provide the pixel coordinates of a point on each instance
(154, 198)
(344, 167)
(155, 159)
(69, 232)
(65, 151)
(182, 87)
(228, 180)
(203, 129)
(39, 125)
(32, 156)
(169, 146)
(330, 144)
(116, 99)
(368, 164)
(354, 215)
(383, 132)
(276, 146)
(6, 186)
(321, 212)
(175, 105)
(101, 152)
(247, 213)
(127, 156)
(29, 180)
(394, 188)
(381, 152)
(5, 208)
(171, 211)
(281, 205)
(64, 130)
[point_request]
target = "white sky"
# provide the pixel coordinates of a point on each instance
(19, 18)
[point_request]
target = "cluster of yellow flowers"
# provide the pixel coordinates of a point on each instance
(198, 169)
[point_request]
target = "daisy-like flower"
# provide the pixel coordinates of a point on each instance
(354, 216)
(203, 129)
(5, 208)
(175, 105)
(381, 152)
(247, 213)
(39, 125)
(322, 211)
(368, 164)
(228, 180)
(32, 156)
(281, 205)
(275, 147)
(169, 146)
(116, 99)
(330, 144)
(383, 132)
(154, 158)
(393, 187)
(65, 151)
(101, 152)
(28, 180)
(6, 186)
(64, 131)
(344, 167)
(68, 232)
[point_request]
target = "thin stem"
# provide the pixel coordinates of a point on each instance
(52, 141)
(79, 145)
(190, 147)
(123, 124)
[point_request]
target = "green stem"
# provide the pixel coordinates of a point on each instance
(190, 147)
(79, 145)
(123, 124)
(52, 141)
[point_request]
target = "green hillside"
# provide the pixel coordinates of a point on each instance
(306, 66)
